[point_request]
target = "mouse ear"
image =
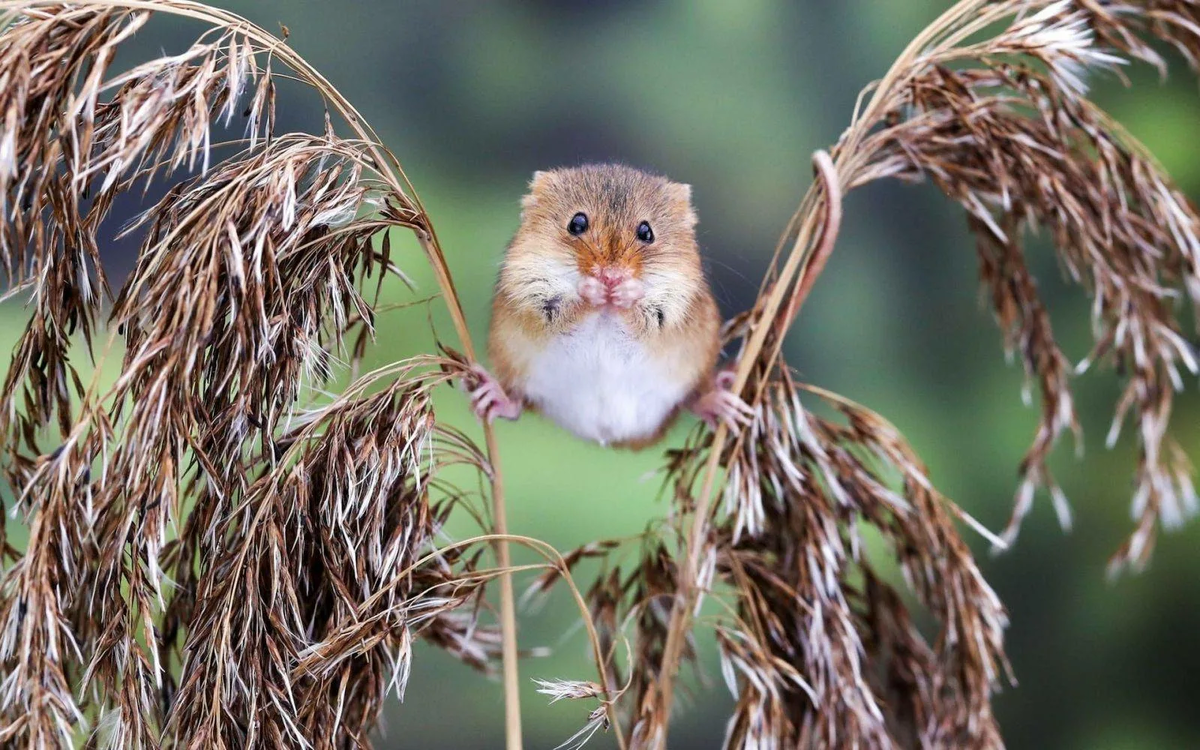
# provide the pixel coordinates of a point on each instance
(682, 192)
(681, 195)
(536, 185)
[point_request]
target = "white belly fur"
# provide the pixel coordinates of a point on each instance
(602, 384)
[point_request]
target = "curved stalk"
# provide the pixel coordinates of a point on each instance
(685, 598)
(804, 261)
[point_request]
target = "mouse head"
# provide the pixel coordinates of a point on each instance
(611, 236)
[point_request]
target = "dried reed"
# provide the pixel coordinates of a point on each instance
(284, 611)
(308, 555)
(988, 103)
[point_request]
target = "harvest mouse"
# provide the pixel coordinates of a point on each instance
(602, 318)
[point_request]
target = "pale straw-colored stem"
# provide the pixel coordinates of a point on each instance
(685, 598)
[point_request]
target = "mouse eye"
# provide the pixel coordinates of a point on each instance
(645, 233)
(578, 224)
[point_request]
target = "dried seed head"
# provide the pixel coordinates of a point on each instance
(1018, 146)
(195, 512)
(821, 652)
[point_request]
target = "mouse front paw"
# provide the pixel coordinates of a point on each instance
(720, 405)
(628, 293)
(488, 398)
(593, 291)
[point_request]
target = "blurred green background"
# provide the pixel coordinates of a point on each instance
(733, 97)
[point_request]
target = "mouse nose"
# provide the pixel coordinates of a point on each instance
(611, 277)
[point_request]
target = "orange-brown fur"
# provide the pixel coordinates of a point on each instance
(536, 300)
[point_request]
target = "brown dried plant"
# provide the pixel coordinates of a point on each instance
(306, 558)
(989, 104)
(219, 558)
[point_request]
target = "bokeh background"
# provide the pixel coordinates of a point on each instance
(733, 97)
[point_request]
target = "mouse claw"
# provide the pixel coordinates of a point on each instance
(628, 293)
(720, 405)
(593, 292)
(488, 399)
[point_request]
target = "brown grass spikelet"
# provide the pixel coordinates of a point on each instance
(222, 332)
(808, 650)
(40, 651)
(797, 575)
(326, 574)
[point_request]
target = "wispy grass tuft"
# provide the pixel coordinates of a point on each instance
(210, 563)
(989, 103)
